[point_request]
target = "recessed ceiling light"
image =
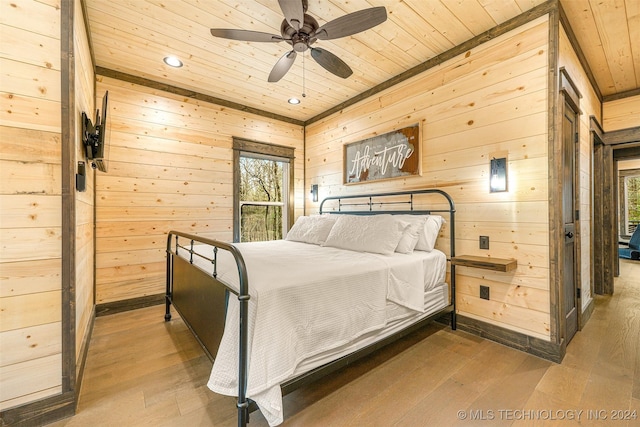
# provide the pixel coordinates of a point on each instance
(172, 61)
(294, 101)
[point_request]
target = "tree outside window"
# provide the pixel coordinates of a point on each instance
(632, 190)
(261, 199)
(628, 201)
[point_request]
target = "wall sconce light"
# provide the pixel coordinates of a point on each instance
(314, 192)
(498, 180)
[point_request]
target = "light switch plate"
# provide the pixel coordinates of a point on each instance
(484, 242)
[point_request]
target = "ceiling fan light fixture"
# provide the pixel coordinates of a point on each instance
(294, 101)
(172, 61)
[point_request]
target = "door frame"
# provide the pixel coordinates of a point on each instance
(572, 146)
(566, 92)
(604, 262)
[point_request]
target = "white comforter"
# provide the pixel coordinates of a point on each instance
(305, 300)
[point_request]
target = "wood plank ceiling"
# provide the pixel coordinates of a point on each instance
(133, 36)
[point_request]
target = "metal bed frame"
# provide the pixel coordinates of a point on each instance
(201, 298)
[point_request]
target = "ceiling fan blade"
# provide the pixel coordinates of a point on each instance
(282, 66)
(245, 35)
(293, 11)
(352, 23)
(330, 62)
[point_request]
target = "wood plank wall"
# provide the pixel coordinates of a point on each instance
(621, 113)
(30, 200)
(170, 168)
(628, 164)
(490, 101)
(590, 106)
(85, 102)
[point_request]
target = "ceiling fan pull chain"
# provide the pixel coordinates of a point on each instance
(304, 95)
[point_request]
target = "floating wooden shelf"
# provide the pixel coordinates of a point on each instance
(496, 264)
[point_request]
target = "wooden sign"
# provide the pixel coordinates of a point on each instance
(391, 155)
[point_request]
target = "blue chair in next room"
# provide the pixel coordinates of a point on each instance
(631, 250)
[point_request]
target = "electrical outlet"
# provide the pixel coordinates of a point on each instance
(484, 292)
(484, 242)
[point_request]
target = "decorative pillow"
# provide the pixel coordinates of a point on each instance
(311, 229)
(427, 238)
(413, 225)
(366, 233)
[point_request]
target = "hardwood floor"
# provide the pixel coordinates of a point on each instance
(142, 371)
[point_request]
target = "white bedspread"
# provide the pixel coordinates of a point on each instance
(306, 300)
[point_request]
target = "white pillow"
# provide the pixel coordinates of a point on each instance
(311, 229)
(429, 234)
(413, 225)
(366, 233)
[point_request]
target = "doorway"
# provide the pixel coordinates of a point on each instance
(609, 150)
(626, 166)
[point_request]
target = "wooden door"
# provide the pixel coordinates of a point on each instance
(569, 285)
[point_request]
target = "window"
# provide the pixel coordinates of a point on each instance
(262, 191)
(629, 201)
(262, 205)
(632, 203)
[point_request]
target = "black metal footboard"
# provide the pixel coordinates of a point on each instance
(201, 298)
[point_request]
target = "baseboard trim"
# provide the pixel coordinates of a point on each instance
(84, 352)
(541, 348)
(129, 304)
(586, 314)
(40, 412)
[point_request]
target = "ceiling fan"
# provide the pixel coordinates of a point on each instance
(301, 31)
